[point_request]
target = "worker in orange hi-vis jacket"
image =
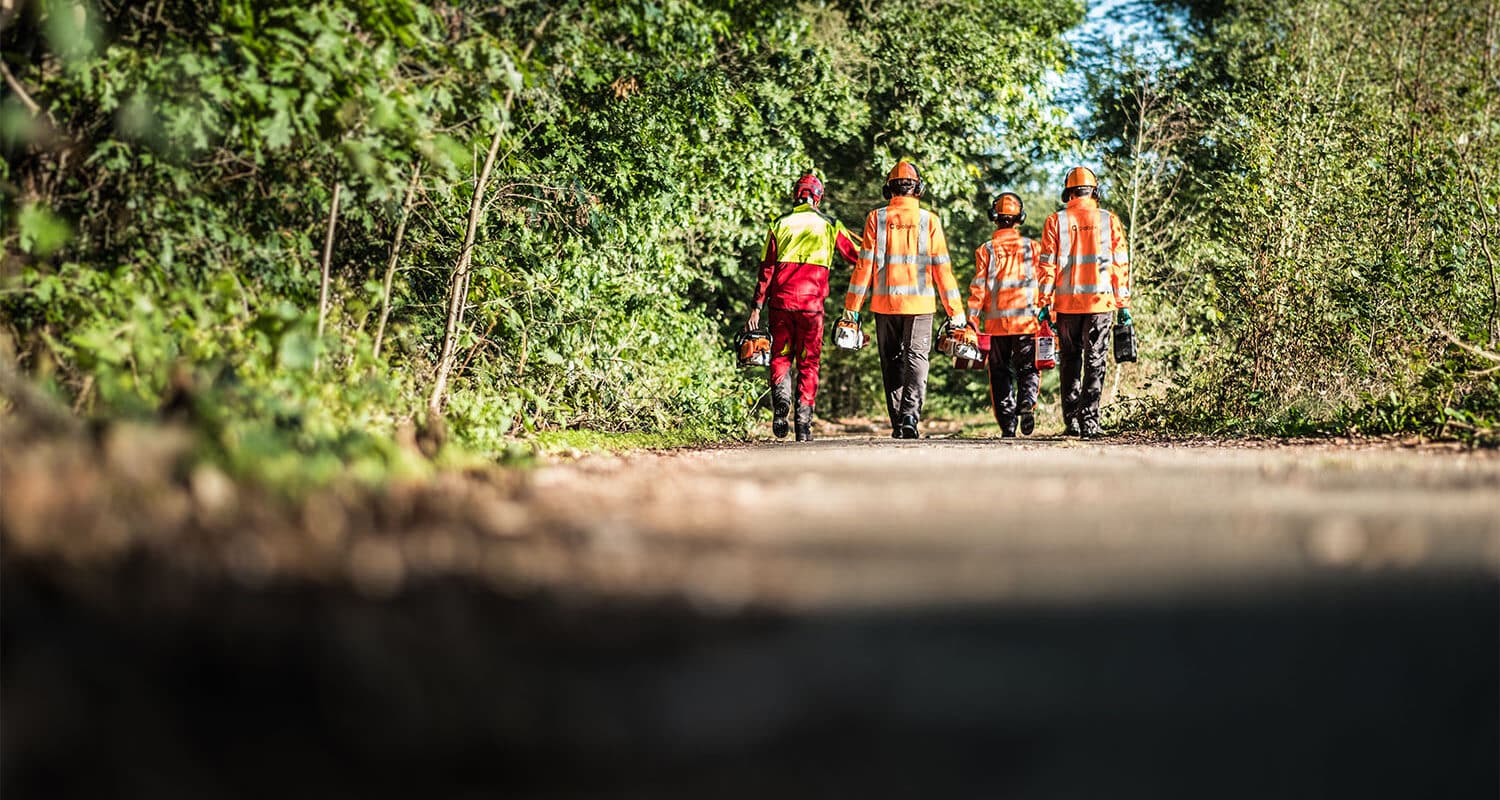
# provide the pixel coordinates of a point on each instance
(1004, 299)
(1085, 246)
(794, 265)
(903, 268)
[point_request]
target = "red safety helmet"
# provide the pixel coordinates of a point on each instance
(808, 188)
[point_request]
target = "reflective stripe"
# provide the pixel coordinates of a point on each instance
(859, 291)
(867, 255)
(881, 279)
(1024, 283)
(1064, 236)
(1121, 256)
(1086, 288)
(923, 243)
(1064, 255)
(900, 291)
(1004, 313)
(951, 294)
(903, 259)
(1106, 226)
(938, 260)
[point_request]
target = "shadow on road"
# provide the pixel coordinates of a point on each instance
(135, 683)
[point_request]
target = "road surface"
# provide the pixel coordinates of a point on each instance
(856, 617)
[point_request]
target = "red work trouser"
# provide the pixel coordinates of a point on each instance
(799, 335)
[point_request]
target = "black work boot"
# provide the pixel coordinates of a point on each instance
(908, 427)
(1007, 427)
(1089, 429)
(779, 424)
(1072, 428)
(1028, 423)
(804, 423)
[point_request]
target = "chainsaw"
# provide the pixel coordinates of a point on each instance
(961, 342)
(847, 335)
(959, 362)
(754, 348)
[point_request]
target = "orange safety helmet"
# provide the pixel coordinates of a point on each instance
(1008, 204)
(903, 171)
(1079, 177)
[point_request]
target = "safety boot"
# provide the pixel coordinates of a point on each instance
(908, 427)
(804, 423)
(1089, 429)
(1072, 429)
(1007, 427)
(1028, 423)
(779, 423)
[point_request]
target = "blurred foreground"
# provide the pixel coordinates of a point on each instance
(858, 617)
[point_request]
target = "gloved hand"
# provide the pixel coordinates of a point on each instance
(958, 320)
(1044, 314)
(973, 323)
(851, 316)
(1125, 317)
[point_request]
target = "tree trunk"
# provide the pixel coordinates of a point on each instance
(460, 283)
(390, 265)
(333, 218)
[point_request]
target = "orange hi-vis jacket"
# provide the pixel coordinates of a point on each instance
(902, 257)
(1004, 295)
(1084, 246)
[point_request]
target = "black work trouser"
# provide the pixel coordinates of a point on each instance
(1014, 380)
(904, 340)
(1083, 346)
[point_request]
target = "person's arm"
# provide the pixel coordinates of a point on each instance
(767, 269)
(979, 287)
(942, 268)
(1046, 264)
(1119, 273)
(843, 244)
(864, 269)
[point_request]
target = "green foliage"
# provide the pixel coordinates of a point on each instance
(165, 211)
(1305, 189)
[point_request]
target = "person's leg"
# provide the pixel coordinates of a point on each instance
(783, 346)
(1095, 364)
(890, 341)
(918, 346)
(1070, 343)
(1028, 381)
(1002, 391)
(810, 335)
